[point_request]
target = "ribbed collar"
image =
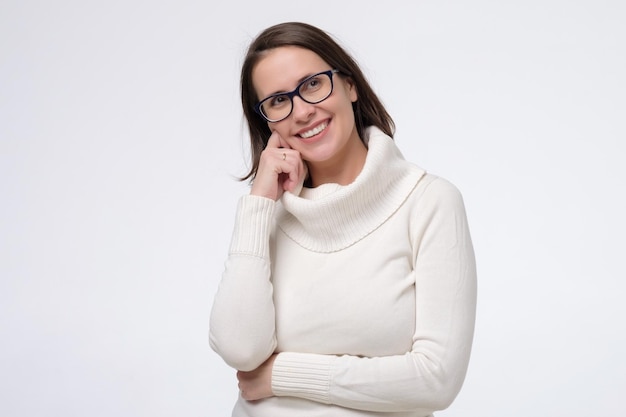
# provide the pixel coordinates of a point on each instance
(332, 217)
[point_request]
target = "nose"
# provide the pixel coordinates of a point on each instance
(301, 109)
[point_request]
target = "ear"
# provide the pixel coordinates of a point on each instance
(351, 86)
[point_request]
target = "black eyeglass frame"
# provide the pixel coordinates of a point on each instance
(296, 92)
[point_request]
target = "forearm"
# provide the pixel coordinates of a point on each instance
(242, 323)
(241, 328)
(412, 381)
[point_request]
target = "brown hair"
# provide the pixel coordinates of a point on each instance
(368, 109)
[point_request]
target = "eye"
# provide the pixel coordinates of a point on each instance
(312, 84)
(278, 101)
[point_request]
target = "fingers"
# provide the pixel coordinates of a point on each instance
(257, 384)
(296, 164)
(277, 141)
(280, 169)
(297, 174)
(251, 385)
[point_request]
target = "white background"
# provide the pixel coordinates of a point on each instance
(121, 132)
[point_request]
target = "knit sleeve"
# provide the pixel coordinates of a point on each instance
(430, 375)
(242, 321)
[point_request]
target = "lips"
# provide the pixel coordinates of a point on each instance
(315, 131)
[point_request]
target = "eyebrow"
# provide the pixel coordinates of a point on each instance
(299, 81)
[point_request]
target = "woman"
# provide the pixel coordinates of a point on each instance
(350, 284)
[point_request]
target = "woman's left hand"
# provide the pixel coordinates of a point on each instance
(257, 384)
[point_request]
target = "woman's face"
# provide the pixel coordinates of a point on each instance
(322, 132)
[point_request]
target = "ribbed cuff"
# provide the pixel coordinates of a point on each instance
(253, 223)
(303, 375)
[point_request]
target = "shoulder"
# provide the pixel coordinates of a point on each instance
(441, 188)
(435, 189)
(437, 214)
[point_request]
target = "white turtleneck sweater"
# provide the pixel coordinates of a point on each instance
(367, 291)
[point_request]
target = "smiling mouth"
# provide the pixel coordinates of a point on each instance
(315, 131)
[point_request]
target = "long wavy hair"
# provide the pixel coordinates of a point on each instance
(368, 109)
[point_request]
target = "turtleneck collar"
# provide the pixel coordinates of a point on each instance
(332, 217)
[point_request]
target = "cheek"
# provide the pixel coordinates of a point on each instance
(283, 130)
(279, 127)
(347, 107)
(349, 91)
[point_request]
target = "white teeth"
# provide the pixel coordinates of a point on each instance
(314, 131)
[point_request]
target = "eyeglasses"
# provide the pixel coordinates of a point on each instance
(313, 90)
